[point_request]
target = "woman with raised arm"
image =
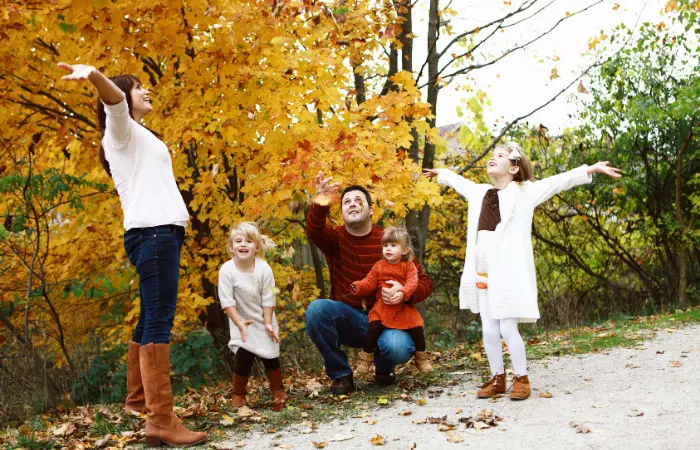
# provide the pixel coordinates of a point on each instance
(155, 217)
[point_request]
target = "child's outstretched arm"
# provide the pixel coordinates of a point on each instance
(542, 190)
(269, 300)
(447, 177)
(368, 284)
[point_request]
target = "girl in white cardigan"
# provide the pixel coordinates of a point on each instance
(247, 296)
(499, 280)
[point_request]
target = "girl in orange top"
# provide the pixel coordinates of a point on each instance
(396, 265)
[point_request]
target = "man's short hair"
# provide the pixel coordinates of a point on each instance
(356, 187)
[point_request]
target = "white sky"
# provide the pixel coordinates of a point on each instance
(524, 82)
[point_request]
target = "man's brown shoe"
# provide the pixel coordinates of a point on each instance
(520, 389)
(343, 385)
(496, 385)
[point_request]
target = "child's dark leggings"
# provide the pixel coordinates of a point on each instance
(244, 362)
(369, 344)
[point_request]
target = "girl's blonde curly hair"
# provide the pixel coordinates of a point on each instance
(250, 231)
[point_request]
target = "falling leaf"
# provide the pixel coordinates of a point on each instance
(453, 437)
(545, 394)
(554, 74)
(675, 363)
(507, 3)
(581, 88)
(377, 440)
(616, 6)
(320, 444)
(406, 413)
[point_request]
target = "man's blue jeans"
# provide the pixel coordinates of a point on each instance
(332, 323)
(155, 251)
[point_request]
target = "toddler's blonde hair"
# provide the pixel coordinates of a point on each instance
(249, 230)
(399, 235)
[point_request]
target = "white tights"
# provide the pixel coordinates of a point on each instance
(492, 330)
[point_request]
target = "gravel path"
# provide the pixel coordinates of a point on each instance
(642, 398)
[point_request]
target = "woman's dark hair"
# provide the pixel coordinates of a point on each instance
(126, 83)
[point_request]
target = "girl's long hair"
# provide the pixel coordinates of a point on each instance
(126, 83)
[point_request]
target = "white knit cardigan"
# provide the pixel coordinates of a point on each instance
(511, 264)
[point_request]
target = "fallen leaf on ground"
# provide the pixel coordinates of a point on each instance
(435, 420)
(675, 363)
(579, 427)
(244, 411)
(453, 437)
(406, 413)
(103, 441)
(371, 421)
(459, 411)
(226, 420)
(545, 394)
(632, 366)
(320, 444)
(635, 413)
(240, 444)
(377, 440)
(341, 437)
(481, 425)
(421, 402)
(446, 426)
(64, 430)
(382, 401)
(660, 352)
(420, 422)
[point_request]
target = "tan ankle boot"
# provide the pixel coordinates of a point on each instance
(274, 377)
(364, 362)
(135, 398)
(496, 385)
(520, 389)
(422, 361)
(240, 389)
(162, 425)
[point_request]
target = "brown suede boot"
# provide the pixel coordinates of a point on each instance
(520, 389)
(274, 377)
(422, 361)
(240, 389)
(364, 362)
(162, 425)
(135, 399)
(495, 386)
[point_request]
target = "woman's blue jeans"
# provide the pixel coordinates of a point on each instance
(332, 323)
(155, 251)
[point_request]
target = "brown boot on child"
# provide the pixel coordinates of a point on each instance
(422, 361)
(364, 362)
(520, 389)
(495, 386)
(274, 377)
(240, 389)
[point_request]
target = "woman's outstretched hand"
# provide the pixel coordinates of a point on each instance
(430, 173)
(78, 71)
(605, 168)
